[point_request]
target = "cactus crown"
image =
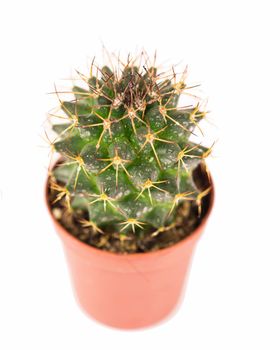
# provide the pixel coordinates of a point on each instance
(128, 161)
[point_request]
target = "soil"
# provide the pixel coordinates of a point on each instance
(185, 223)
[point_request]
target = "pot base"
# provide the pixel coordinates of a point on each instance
(131, 299)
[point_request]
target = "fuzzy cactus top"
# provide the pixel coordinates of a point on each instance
(127, 158)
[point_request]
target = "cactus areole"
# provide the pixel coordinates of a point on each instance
(126, 179)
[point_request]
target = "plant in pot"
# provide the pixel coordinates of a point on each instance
(130, 193)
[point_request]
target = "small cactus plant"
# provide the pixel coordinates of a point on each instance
(127, 159)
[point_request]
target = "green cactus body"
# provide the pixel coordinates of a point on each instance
(128, 160)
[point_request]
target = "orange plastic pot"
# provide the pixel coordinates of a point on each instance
(133, 290)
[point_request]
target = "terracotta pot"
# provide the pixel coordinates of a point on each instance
(133, 290)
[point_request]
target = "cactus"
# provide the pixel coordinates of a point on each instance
(127, 159)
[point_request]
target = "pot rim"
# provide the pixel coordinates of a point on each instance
(101, 252)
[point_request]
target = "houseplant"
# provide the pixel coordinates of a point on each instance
(131, 193)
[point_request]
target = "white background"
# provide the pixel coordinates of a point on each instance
(232, 299)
